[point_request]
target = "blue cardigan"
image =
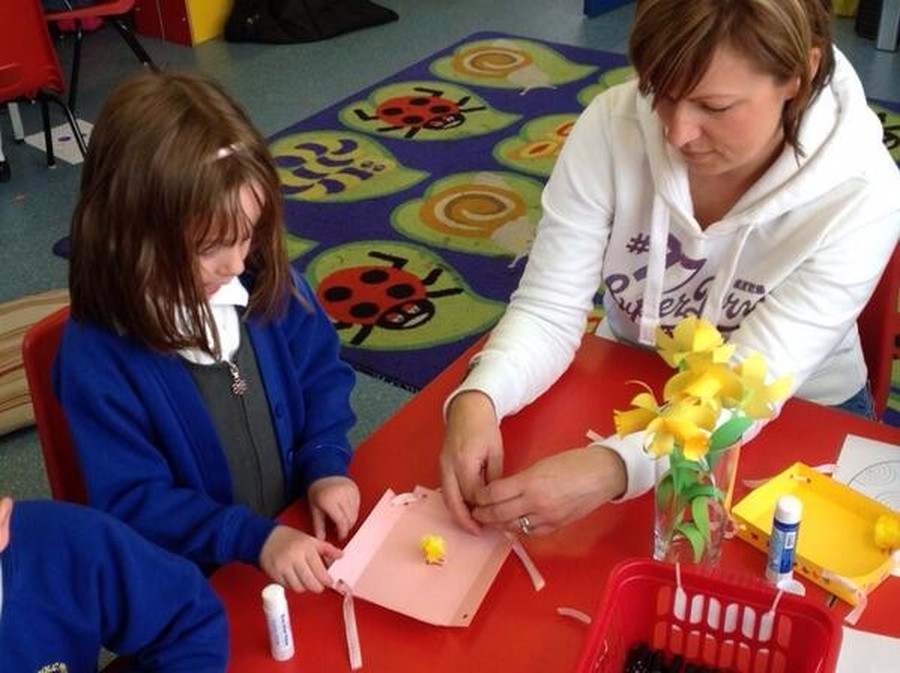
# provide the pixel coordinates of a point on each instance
(150, 452)
(74, 579)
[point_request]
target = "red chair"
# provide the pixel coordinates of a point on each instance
(29, 68)
(114, 13)
(879, 332)
(39, 347)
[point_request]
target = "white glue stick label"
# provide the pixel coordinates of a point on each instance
(278, 619)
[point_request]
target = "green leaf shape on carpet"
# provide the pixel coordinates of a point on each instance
(296, 246)
(425, 111)
(535, 149)
(392, 296)
(890, 122)
(338, 167)
(483, 213)
(607, 79)
(509, 64)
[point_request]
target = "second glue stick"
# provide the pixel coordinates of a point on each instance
(783, 541)
(278, 619)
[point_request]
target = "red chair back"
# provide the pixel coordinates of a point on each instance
(39, 348)
(97, 9)
(28, 61)
(879, 332)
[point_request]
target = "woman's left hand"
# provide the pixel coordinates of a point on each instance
(336, 498)
(552, 492)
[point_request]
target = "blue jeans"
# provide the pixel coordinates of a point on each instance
(861, 404)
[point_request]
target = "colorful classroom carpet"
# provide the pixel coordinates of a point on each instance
(411, 204)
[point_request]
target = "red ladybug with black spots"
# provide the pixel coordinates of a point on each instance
(414, 113)
(380, 296)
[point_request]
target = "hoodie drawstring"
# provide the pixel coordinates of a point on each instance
(656, 269)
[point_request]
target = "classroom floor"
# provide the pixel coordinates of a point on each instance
(280, 85)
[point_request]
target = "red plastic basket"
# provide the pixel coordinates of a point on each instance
(726, 623)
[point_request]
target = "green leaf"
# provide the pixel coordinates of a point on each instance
(706, 490)
(664, 489)
(728, 433)
(700, 512)
(698, 543)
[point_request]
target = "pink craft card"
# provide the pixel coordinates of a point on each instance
(384, 562)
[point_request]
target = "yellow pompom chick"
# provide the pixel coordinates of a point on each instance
(887, 531)
(434, 549)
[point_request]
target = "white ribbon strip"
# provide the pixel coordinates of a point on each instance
(861, 598)
(536, 578)
(354, 650)
(594, 436)
(824, 468)
(582, 617)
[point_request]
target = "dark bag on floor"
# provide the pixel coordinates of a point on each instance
(284, 21)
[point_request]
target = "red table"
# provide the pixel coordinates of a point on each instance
(516, 629)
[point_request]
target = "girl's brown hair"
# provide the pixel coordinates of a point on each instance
(167, 159)
(673, 41)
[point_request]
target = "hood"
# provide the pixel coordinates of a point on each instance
(836, 128)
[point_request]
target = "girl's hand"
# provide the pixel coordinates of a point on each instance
(297, 560)
(338, 499)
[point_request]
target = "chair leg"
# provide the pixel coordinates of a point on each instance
(48, 135)
(132, 41)
(5, 174)
(73, 123)
(76, 65)
(16, 119)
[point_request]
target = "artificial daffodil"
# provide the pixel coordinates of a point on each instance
(685, 423)
(692, 335)
(646, 408)
(705, 389)
(759, 397)
(712, 383)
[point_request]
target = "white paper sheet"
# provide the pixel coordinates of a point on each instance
(864, 652)
(872, 468)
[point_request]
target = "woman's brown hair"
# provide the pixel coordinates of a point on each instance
(162, 177)
(672, 44)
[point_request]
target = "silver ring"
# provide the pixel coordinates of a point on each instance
(524, 525)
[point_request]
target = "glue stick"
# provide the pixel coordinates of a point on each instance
(281, 640)
(783, 541)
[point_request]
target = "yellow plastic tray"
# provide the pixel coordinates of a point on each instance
(836, 536)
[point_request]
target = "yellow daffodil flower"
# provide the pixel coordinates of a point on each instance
(434, 549)
(685, 423)
(692, 335)
(646, 408)
(759, 398)
(714, 384)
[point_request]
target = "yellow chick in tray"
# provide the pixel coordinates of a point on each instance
(434, 549)
(887, 531)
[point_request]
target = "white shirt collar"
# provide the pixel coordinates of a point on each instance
(233, 293)
(223, 305)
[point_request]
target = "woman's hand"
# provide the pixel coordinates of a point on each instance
(472, 455)
(553, 492)
(297, 560)
(336, 498)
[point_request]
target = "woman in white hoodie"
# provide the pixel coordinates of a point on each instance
(741, 177)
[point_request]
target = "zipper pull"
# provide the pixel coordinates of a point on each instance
(238, 382)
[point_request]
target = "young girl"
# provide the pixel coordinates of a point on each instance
(201, 379)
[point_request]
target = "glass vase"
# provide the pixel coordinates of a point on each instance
(692, 499)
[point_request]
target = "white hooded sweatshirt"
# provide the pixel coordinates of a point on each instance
(784, 273)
